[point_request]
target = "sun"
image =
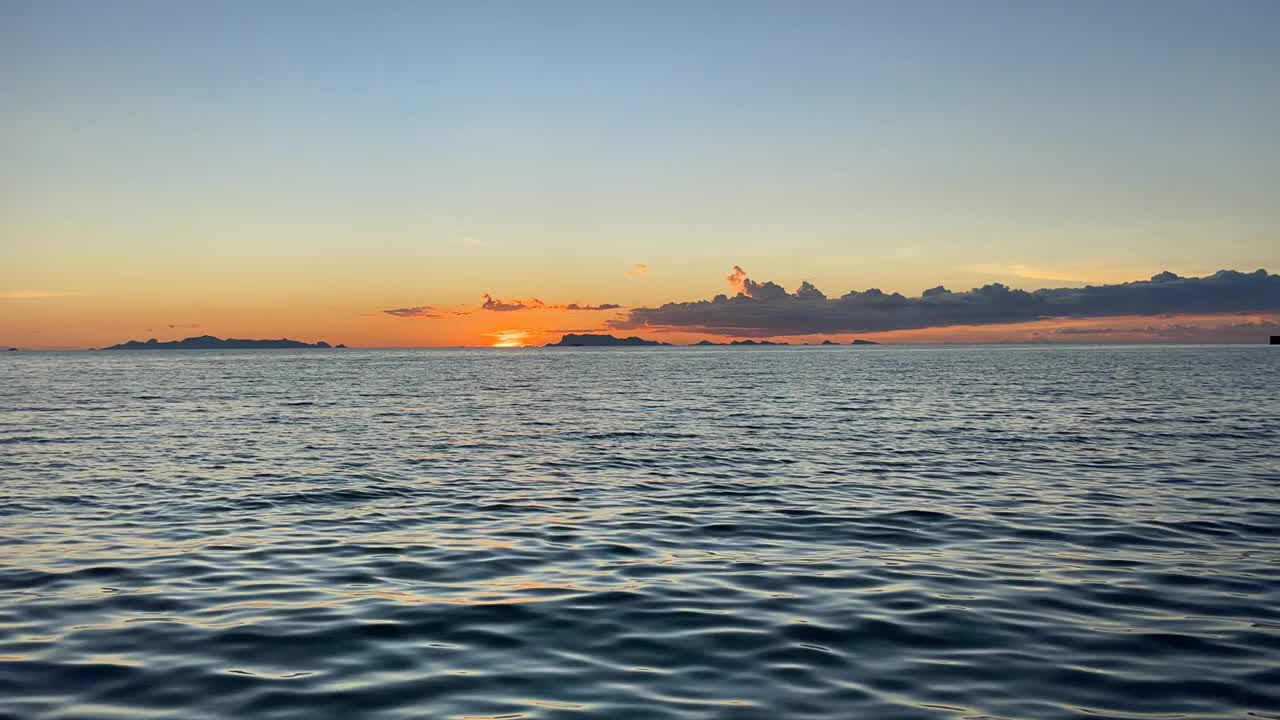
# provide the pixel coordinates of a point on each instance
(509, 338)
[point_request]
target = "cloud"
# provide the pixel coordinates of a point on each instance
(35, 294)
(187, 326)
(1246, 332)
(743, 285)
(637, 271)
(427, 312)
(576, 306)
(1091, 330)
(738, 281)
(488, 302)
(1205, 330)
(568, 331)
(491, 304)
(422, 311)
(469, 242)
(766, 309)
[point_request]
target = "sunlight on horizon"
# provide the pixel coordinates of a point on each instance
(510, 338)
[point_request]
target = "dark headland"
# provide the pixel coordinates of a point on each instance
(209, 342)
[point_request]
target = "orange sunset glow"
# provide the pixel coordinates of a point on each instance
(78, 321)
(567, 359)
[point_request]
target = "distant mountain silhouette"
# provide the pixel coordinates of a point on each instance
(864, 342)
(209, 342)
(572, 340)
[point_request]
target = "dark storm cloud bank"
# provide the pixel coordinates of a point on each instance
(766, 309)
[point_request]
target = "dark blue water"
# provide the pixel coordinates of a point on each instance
(641, 533)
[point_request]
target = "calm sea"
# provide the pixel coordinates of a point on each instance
(1011, 532)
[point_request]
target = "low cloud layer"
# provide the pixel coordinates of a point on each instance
(766, 309)
(425, 312)
(491, 304)
(421, 311)
(34, 294)
(1238, 332)
(496, 305)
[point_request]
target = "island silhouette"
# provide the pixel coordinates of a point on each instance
(209, 342)
(573, 340)
(702, 343)
(588, 340)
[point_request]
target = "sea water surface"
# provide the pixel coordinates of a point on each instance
(1011, 532)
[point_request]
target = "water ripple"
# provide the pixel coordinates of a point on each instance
(668, 533)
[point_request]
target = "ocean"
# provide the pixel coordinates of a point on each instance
(791, 532)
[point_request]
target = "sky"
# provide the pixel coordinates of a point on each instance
(300, 169)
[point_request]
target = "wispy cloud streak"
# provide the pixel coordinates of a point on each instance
(493, 304)
(421, 311)
(35, 294)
